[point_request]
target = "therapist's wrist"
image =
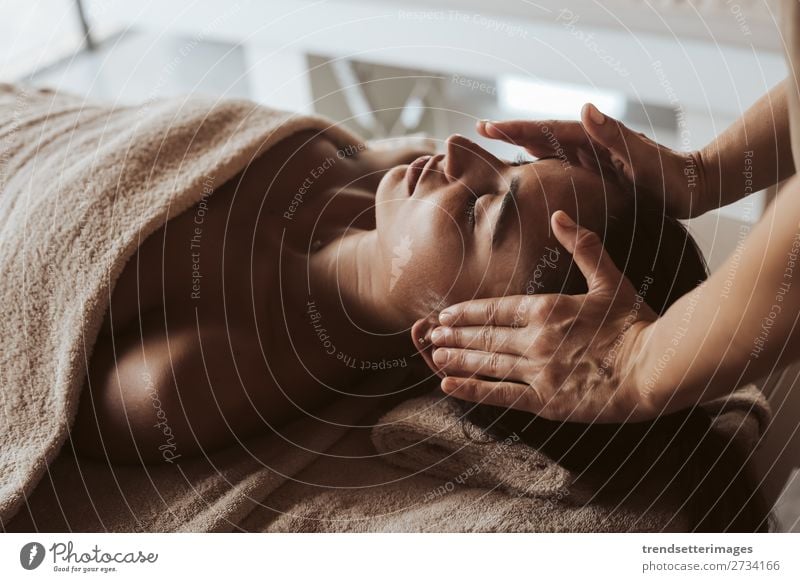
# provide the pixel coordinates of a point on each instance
(697, 173)
(651, 373)
(636, 371)
(663, 373)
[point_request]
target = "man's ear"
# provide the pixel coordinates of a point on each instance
(421, 336)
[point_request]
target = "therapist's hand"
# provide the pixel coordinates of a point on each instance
(562, 357)
(674, 180)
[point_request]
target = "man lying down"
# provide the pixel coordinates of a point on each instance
(318, 262)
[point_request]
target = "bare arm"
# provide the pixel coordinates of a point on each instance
(738, 325)
(762, 135)
(157, 397)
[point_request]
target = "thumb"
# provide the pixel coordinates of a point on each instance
(614, 135)
(588, 253)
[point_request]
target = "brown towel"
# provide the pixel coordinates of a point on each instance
(427, 434)
(353, 489)
(574, 464)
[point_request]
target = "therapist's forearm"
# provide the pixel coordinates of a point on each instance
(752, 154)
(738, 325)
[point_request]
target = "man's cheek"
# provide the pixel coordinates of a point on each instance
(426, 281)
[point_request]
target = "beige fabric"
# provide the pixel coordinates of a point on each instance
(354, 489)
(790, 28)
(427, 476)
(196, 495)
(414, 471)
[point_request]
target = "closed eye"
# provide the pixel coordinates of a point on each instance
(509, 201)
(520, 160)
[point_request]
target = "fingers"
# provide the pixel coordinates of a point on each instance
(505, 394)
(458, 362)
(588, 252)
(540, 138)
(500, 311)
(485, 338)
(566, 137)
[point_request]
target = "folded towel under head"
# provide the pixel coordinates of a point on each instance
(675, 464)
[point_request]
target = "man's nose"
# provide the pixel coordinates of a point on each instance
(464, 157)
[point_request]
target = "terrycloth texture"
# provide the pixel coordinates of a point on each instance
(427, 434)
(198, 495)
(429, 476)
(81, 186)
(350, 487)
(353, 489)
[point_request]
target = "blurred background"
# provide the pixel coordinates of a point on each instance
(678, 70)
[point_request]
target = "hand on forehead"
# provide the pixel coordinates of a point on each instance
(549, 185)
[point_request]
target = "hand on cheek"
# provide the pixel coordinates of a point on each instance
(563, 357)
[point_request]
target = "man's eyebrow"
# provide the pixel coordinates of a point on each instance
(520, 161)
(509, 202)
(523, 161)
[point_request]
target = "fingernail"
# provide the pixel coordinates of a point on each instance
(564, 220)
(446, 318)
(440, 356)
(595, 115)
(437, 335)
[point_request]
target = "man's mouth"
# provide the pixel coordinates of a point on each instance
(414, 171)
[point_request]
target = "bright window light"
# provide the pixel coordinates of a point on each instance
(557, 100)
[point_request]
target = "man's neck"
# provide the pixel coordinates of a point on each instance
(348, 293)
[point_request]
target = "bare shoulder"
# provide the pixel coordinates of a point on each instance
(155, 394)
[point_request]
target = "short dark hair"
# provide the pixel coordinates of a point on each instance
(656, 253)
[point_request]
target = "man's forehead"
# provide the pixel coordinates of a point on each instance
(582, 193)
